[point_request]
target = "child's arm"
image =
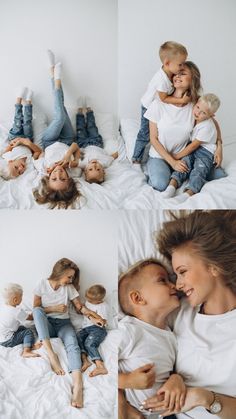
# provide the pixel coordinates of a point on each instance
(164, 97)
(218, 155)
(178, 165)
(170, 397)
(190, 148)
(27, 143)
(140, 378)
(94, 317)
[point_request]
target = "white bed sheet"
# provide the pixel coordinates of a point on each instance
(218, 194)
(30, 390)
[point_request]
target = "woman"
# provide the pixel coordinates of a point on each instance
(51, 317)
(170, 128)
(201, 246)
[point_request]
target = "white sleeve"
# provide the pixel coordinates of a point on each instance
(153, 111)
(38, 289)
(205, 133)
(21, 315)
(39, 166)
(104, 311)
(72, 292)
(126, 341)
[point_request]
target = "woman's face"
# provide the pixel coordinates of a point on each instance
(67, 277)
(58, 179)
(194, 277)
(183, 79)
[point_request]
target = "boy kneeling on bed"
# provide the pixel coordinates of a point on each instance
(11, 316)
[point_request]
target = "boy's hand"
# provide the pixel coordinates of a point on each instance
(142, 377)
(36, 155)
(186, 99)
(218, 156)
(170, 397)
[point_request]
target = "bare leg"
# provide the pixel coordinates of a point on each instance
(85, 362)
(37, 345)
(77, 391)
(27, 353)
(99, 370)
(53, 358)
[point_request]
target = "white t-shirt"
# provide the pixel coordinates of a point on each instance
(101, 309)
(17, 153)
(52, 154)
(92, 152)
(141, 343)
(10, 320)
(174, 125)
(51, 297)
(159, 83)
(206, 353)
(206, 132)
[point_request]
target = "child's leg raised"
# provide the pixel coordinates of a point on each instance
(17, 127)
(94, 137)
(81, 132)
(27, 120)
(142, 138)
(45, 330)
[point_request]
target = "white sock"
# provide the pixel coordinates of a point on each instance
(21, 92)
(57, 71)
(80, 102)
(87, 102)
(51, 57)
(29, 94)
(181, 198)
(169, 192)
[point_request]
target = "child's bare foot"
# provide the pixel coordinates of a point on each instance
(37, 345)
(77, 396)
(55, 364)
(27, 353)
(85, 364)
(99, 370)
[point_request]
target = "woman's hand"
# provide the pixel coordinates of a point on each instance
(94, 317)
(218, 156)
(142, 377)
(169, 398)
(180, 166)
(60, 308)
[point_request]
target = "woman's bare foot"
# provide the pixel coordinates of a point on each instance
(37, 345)
(77, 396)
(27, 353)
(85, 362)
(99, 370)
(55, 364)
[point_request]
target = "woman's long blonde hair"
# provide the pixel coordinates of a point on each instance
(63, 265)
(57, 199)
(195, 89)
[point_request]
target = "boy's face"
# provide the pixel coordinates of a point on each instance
(201, 111)
(94, 171)
(17, 167)
(175, 64)
(58, 179)
(158, 292)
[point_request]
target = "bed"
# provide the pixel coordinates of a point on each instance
(17, 193)
(218, 194)
(30, 390)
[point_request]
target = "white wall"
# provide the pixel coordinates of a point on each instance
(83, 34)
(206, 27)
(32, 241)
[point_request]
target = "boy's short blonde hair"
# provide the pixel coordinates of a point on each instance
(130, 280)
(170, 49)
(96, 293)
(212, 102)
(11, 290)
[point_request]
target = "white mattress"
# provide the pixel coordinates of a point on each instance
(30, 390)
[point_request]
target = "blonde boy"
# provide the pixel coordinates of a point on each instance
(11, 316)
(147, 297)
(173, 57)
(199, 154)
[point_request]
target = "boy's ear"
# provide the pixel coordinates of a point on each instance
(136, 297)
(166, 61)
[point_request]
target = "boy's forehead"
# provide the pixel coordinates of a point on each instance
(153, 268)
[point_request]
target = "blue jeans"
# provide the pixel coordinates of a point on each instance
(87, 134)
(22, 125)
(89, 340)
(48, 327)
(60, 129)
(159, 173)
(142, 138)
(22, 335)
(200, 163)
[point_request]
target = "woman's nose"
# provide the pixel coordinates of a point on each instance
(179, 284)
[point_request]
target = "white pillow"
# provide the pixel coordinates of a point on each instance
(107, 126)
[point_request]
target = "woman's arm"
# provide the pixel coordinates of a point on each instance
(94, 317)
(140, 378)
(73, 150)
(60, 308)
(178, 165)
(27, 143)
(190, 148)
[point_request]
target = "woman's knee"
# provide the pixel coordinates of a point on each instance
(158, 183)
(38, 311)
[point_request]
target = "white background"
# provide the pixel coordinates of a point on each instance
(32, 241)
(206, 27)
(83, 34)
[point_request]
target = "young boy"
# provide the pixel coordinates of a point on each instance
(14, 158)
(95, 159)
(11, 316)
(91, 335)
(147, 297)
(172, 56)
(199, 154)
